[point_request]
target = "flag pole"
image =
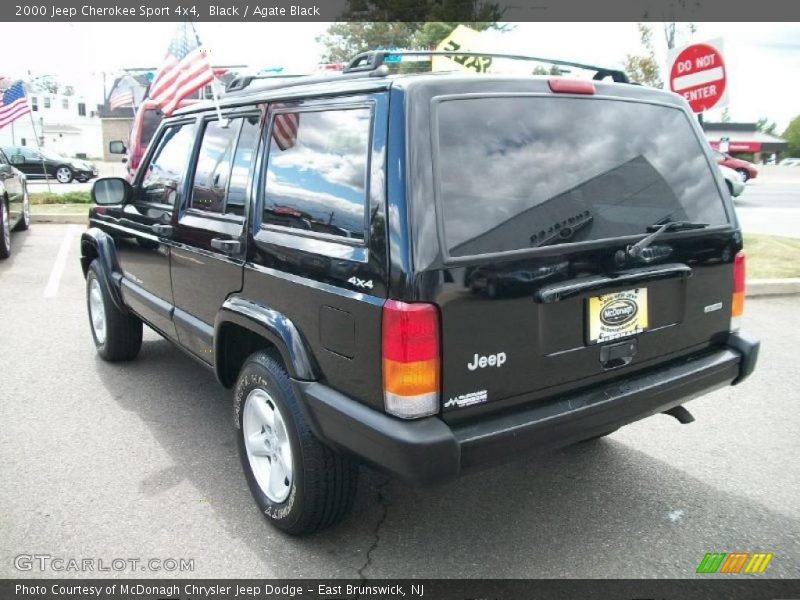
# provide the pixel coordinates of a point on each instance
(222, 123)
(38, 146)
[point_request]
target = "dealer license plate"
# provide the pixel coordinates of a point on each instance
(617, 315)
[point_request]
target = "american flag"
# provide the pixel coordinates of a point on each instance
(14, 105)
(120, 98)
(284, 130)
(185, 70)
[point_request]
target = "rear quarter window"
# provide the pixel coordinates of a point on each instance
(317, 171)
(513, 173)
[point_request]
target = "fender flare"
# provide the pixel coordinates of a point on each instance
(272, 325)
(103, 246)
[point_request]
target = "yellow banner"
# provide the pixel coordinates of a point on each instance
(462, 39)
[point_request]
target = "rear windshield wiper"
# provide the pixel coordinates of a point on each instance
(635, 251)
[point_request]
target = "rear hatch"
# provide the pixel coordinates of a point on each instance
(539, 199)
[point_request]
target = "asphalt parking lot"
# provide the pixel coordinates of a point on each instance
(138, 461)
(772, 205)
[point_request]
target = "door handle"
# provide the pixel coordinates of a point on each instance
(163, 230)
(229, 247)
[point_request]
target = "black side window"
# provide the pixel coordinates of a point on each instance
(163, 176)
(317, 171)
(213, 166)
(242, 161)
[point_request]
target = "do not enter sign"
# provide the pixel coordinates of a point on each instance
(698, 74)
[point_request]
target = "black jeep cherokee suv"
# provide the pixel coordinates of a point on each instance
(424, 272)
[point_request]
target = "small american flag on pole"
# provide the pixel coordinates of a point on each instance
(185, 70)
(120, 98)
(14, 105)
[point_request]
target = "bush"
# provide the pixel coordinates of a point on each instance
(68, 198)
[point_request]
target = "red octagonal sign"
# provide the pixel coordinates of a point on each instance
(698, 74)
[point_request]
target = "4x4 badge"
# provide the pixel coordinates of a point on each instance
(364, 283)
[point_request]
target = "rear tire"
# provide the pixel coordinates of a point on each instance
(315, 486)
(745, 175)
(117, 335)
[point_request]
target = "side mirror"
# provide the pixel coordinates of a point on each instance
(17, 159)
(117, 147)
(111, 190)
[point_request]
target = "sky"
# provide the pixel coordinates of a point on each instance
(762, 59)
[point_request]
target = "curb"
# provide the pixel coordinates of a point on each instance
(45, 218)
(772, 287)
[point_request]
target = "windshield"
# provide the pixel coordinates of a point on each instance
(524, 172)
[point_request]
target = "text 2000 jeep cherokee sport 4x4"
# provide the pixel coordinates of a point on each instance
(424, 272)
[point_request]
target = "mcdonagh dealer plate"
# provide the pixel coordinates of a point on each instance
(617, 315)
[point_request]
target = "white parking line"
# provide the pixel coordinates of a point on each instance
(51, 290)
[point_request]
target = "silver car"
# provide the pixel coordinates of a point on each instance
(733, 180)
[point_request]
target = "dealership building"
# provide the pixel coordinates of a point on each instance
(745, 140)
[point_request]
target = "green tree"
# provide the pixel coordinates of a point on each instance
(675, 33)
(643, 68)
(409, 24)
(764, 126)
(792, 136)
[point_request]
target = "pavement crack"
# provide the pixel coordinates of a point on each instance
(383, 501)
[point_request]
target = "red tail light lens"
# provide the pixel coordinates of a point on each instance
(737, 305)
(571, 86)
(410, 359)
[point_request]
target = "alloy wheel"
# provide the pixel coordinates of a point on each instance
(97, 311)
(64, 175)
(266, 440)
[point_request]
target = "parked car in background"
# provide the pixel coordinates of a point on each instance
(44, 163)
(733, 180)
(747, 169)
(790, 162)
(14, 208)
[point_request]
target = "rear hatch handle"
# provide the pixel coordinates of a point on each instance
(566, 289)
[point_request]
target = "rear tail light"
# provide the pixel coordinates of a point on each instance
(410, 359)
(737, 305)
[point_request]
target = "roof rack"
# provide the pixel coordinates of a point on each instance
(375, 59)
(240, 83)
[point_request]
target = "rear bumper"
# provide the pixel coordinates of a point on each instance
(427, 451)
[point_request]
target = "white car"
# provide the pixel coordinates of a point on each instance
(733, 180)
(790, 162)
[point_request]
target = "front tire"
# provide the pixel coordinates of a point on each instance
(117, 335)
(745, 175)
(299, 484)
(64, 174)
(5, 230)
(25, 221)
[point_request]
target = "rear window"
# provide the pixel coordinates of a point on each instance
(524, 172)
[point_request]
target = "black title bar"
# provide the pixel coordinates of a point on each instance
(735, 588)
(347, 10)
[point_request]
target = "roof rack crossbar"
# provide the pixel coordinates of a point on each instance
(374, 59)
